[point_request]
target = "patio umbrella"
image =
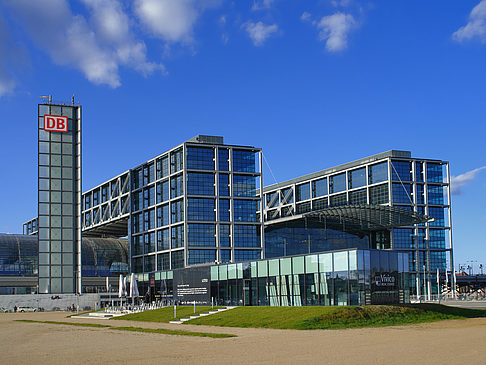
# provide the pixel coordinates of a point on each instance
(121, 286)
(133, 287)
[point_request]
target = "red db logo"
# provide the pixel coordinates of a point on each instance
(55, 123)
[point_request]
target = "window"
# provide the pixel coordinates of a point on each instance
(177, 259)
(137, 178)
(150, 242)
(435, 194)
(148, 196)
(419, 171)
(378, 173)
(434, 172)
(243, 161)
(149, 219)
(402, 193)
(246, 236)
(163, 262)
(303, 207)
(224, 185)
(244, 210)
(201, 256)
(200, 209)
(200, 158)
(438, 214)
(379, 194)
(357, 197)
(401, 170)
(163, 191)
(319, 188)
(223, 159)
(247, 255)
(319, 204)
(337, 200)
(201, 235)
(272, 199)
(162, 167)
(200, 183)
(163, 239)
(419, 199)
(224, 235)
(163, 216)
(302, 192)
(176, 186)
(224, 210)
(148, 174)
(176, 161)
(287, 196)
(402, 238)
(244, 185)
(437, 238)
(225, 256)
(177, 211)
(357, 178)
(337, 183)
(177, 238)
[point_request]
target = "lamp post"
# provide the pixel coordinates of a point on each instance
(425, 283)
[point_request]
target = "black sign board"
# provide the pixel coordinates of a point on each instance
(192, 286)
(384, 281)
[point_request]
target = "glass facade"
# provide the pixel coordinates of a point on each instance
(192, 201)
(59, 200)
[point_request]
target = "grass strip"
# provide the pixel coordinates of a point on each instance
(135, 329)
(306, 318)
(172, 332)
(164, 315)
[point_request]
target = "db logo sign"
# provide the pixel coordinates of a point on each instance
(55, 123)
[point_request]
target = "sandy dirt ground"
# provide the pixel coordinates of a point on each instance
(445, 342)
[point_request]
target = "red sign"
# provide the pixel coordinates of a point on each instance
(152, 281)
(55, 123)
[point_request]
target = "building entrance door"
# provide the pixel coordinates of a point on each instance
(246, 292)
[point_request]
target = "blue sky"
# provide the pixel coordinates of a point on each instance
(314, 83)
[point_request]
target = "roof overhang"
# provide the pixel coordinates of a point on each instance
(357, 219)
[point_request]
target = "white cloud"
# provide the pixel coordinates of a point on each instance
(262, 4)
(334, 29)
(475, 27)
(96, 50)
(459, 181)
(112, 27)
(170, 20)
(305, 16)
(259, 32)
(342, 3)
(9, 53)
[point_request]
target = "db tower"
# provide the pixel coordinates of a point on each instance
(59, 199)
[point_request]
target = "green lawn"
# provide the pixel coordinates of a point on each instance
(164, 314)
(335, 317)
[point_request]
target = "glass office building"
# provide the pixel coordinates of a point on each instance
(392, 179)
(59, 199)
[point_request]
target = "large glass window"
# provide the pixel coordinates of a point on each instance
(402, 238)
(434, 172)
(438, 215)
(201, 256)
(357, 178)
(302, 192)
(272, 199)
(402, 193)
(163, 216)
(177, 211)
(287, 196)
(419, 171)
(177, 259)
(162, 167)
(163, 191)
(163, 262)
(435, 194)
(401, 170)
(247, 255)
(337, 200)
(379, 194)
(319, 187)
(337, 183)
(378, 173)
(200, 183)
(243, 161)
(419, 199)
(244, 210)
(437, 238)
(200, 158)
(246, 236)
(357, 197)
(176, 186)
(244, 185)
(177, 238)
(224, 235)
(200, 209)
(224, 185)
(163, 239)
(201, 235)
(176, 161)
(223, 159)
(224, 210)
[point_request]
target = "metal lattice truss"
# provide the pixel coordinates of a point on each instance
(364, 218)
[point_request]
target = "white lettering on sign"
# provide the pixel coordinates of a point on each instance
(55, 123)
